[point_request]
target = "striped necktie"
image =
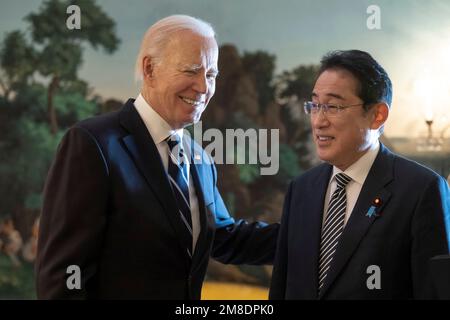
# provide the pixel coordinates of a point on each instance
(179, 180)
(333, 226)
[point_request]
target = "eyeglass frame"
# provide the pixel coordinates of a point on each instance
(325, 107)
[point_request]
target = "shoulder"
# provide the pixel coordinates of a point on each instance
(101, 128)
(312, 176)
(95, 133)
(405, 168)
(101, 124)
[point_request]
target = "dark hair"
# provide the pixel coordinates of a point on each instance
(374, 83)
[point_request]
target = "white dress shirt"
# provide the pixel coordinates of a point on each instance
(358, 171)
(159, 129)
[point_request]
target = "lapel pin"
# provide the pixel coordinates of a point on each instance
(197, 157)
(372, 212)
(377, 202)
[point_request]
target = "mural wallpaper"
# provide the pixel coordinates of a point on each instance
(50, 79)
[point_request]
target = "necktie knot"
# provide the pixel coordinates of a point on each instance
(342, 180)
(175, 146)
(173, 141)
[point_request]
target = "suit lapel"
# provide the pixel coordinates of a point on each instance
(309, 234)
(145, 155)
(196, 171)
(201, 244)
(359, 223)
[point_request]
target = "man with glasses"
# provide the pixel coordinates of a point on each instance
(364, 224)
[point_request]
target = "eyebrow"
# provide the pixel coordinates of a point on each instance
(332, 95)
(192, 66)
(196, 67)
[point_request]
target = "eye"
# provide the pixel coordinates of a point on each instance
(333, 108)
(190, 72)
(211, 76)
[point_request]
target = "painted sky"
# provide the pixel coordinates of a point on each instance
(413, 43)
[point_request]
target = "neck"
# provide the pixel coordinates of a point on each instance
(147, 97)
(358, 155)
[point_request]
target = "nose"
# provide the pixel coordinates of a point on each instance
(319, 120)
(201, 83)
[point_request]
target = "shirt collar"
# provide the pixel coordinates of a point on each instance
(158, 128)
(359, 170)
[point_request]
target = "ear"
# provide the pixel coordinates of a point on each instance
(380, 115)
(147, 68)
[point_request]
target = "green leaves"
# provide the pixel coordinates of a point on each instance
(28, 138)
(24, 162)
(17, 61)
(49, 25)
(248, 173)
(61, 58)
(289, 166)
(298, 82)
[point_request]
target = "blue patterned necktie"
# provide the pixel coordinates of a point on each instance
(179, 180)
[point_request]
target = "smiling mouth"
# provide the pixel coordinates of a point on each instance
(194, 103)
(324, 138)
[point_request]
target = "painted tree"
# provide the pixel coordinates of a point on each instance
(40, 96)
(261, 66)
(293, 88)
(59, 50)
(17, 59)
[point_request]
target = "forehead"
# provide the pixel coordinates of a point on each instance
(188, 49)
(332, 82)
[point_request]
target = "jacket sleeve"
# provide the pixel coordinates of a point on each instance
(240, 242)
(429, 235)
(73, 217)
(279, 273)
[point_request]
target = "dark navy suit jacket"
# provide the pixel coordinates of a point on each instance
(406, 230)
(109, 209)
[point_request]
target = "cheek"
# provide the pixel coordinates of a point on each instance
(179, 85)
(355, 137)
(364, 129)
(212, 86)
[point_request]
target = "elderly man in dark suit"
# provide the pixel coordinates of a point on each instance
(132, 202)
(364, 224)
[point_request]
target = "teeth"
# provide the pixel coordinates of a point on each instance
(192, 102)
(324, 138)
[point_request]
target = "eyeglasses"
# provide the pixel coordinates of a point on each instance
(331, 110)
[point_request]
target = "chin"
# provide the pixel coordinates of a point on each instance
(187, 122)
(194, 118)
(324, 156)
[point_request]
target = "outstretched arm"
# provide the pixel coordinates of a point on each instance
(240, 242)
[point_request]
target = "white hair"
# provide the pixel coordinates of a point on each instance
(159, 34)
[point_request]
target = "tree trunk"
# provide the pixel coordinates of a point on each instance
(51, 112)
(6, 90)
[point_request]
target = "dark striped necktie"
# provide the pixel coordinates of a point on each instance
(333, 226)
(179, 180)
